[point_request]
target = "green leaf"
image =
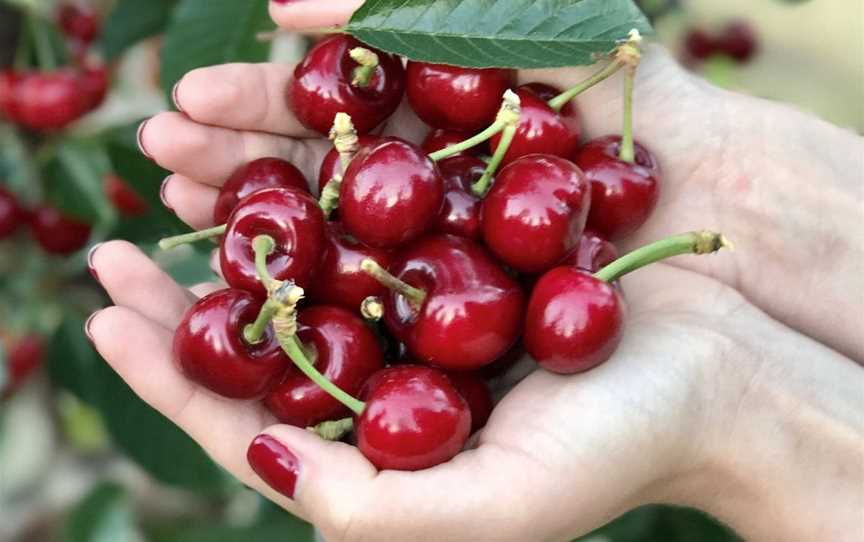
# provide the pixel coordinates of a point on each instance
(74, 181)
(132, 21)
(105, 515)
(208, 32)
(497, 33)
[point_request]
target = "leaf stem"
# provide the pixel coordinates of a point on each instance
(172, 242)
(558, 102)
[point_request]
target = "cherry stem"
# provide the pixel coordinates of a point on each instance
(627, 152)
(415, 295)
(172, 242)
(295, 351)
(44, 48)
(334, 429)
(558, 102)
(507, 115)
(22, 50)
(254, 332)
(329, 199)
(262, 246)
(482, 185)
(368, 63)
(372, 308)
(345, 139)
(697, 242)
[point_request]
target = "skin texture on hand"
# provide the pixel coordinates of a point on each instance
(708, 402)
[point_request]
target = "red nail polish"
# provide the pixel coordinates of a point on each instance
(162, 193)
(274, 463)
(140, 141)
(87, 325)
(90, 254)
(175, 98)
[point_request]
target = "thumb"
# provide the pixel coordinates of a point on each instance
(309, 14)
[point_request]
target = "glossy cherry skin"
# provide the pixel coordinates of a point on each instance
(123, 197)
(57, 233)
(476, 393)
(346, 352)
(322, 86)
(569, 113)
(541, 130)
(414, 419)
(536, 212)
(22, 360)
(391, 194)
(460, 214)
(454, 98)
(11, 214)
(46, 101)
(252, 177)
(78, 21)
(739, 41)
(293, 219)
(332, 164)
(623, 195)
(94, 81)
(574, 321)
(210, 348)
(592, 254)
(472, 312)
(439, 139)
(339, 280)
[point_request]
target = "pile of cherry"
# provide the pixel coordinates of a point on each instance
(432, 240)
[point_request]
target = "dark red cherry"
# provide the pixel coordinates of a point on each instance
(9, 80)
(569, 113)
(454, 98)
(47, 101)
(414, 419)
(476, 393)
(574, 321)
(592, 254)
(623, 195)
(210, 348)
(439, 139)
(123, 197)
(739, 41)
(391, 194)
(339, 280)
(252, 177)
(699, 44)
(11, 214)
(93, 82)
(57, 233)
(323, 86)
(343, 349)
(79, 21)
(332, 164)
(541, 130)
(472, 311)
(460, 214)
(293, 219)
(536, 212)
(22, 360)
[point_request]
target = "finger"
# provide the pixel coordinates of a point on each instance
(131, 279)
(210, 154)
(192, 201)
(309, 15)
(206, 288)
(242, 97)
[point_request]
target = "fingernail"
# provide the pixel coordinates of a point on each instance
(141, 141)
(162, 193)
(175, 97)
(274, 463)
(87, 325)
(90, 255)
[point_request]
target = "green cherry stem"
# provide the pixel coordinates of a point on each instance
(254, 332)
(482, 185)
(697, 242)
(510, 108)
(367, 64)
(558, 102)
(415, 295)
(329, 199)
(172, 242)
(627, 152)
(262, 246)
(22, 49)
(334, 429)
(44, 48)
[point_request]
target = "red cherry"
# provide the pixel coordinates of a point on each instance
(57, 233)
(293, 219)
(454, 98)
(9, 80)
(739, 41)
(391, 194)
(535, 212)
(93, 82)
(541, 130)
(47, 101)
(78, 21)
(439, 139)
(22, 360)
(322, 86)
(210, 348)
(460, 214)
(574, 321)
(252, 177)
(472, 312)
(332, 165)
(339, 280)
(123, 197)
(569, 113)
(699, 44)
(345, 351)
(623, 195)
(592, 254)
(414, 419)
(476, 393)
(11, 214)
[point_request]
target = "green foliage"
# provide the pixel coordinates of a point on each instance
(105, 515)
(498, 33)
(132, 21)
(73, 181)
(662, 524)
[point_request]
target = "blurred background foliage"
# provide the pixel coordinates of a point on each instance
(82, 459)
